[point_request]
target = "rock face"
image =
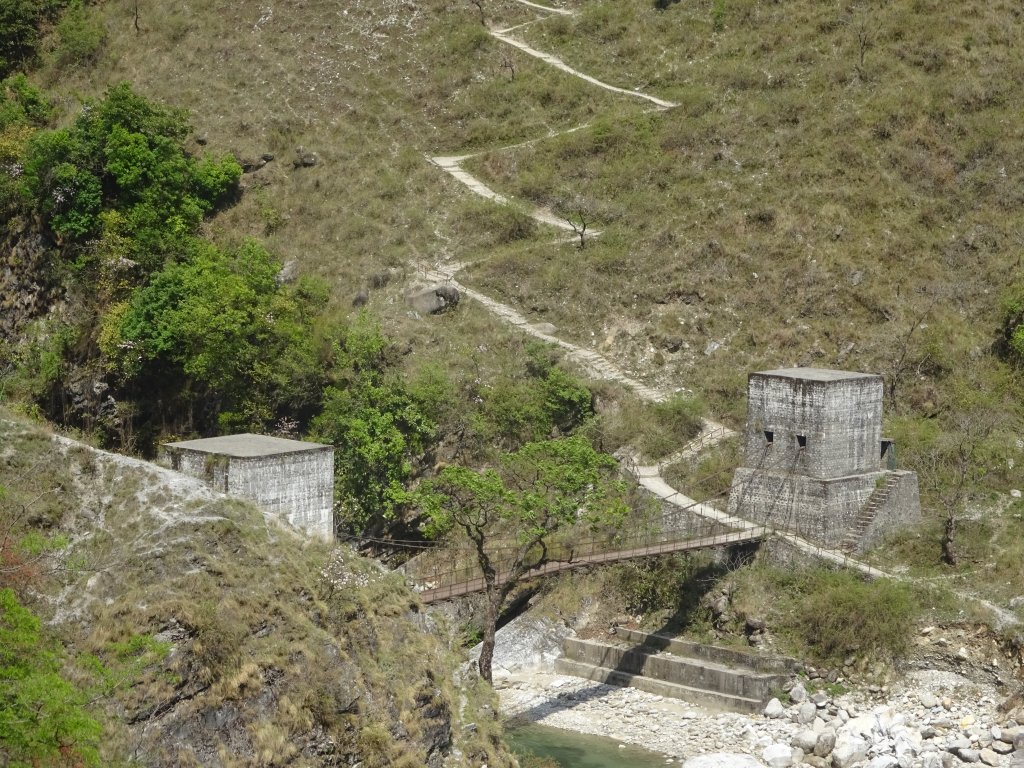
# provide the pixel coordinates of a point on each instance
(22, 260)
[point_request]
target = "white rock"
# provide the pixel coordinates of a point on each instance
(969, 755)
(848, 750)
(797, 694)
(774, 709)
(932, 760)
(928, 700)
(777, 756)
(723, 760)
(805, 740)
(883, 761)
(862, 725)
(806, 713)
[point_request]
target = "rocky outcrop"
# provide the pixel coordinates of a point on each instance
(24, 294)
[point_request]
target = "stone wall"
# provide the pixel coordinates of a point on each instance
(902, 508)
(298, 486)
(822, 511)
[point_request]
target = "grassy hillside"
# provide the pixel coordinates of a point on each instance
(838, 186)
(208, 634)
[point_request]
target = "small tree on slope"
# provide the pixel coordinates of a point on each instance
(542, 489)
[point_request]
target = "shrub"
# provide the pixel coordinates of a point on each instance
(125, 154)
(43, 720)
(79, 36)
(840, 614)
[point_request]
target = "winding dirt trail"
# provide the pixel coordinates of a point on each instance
(452, 165)
(557, 63)
(648, 476)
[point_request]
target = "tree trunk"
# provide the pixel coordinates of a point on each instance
(487, 646)
(948, 534)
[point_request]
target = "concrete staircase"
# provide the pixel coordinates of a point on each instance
(717, 678)
(867, 514)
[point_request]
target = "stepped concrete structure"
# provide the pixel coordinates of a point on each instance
(291, 478)
(722, 679)
(815, 462)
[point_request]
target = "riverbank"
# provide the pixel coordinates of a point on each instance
(929, 719)
(680, 730)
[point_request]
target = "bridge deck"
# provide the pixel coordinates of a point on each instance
(666, 548)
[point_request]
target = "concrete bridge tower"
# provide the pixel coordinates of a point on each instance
(815, 462)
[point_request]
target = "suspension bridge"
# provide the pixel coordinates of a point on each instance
(443, 572)
(683, 525)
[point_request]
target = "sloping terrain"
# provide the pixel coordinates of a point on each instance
(838, 186)
(213, 635)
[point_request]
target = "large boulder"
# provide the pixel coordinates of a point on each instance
(848, 750)
(722, 760)
(777, 756)
(433, 300)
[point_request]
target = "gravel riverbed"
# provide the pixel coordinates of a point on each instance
(929, 719)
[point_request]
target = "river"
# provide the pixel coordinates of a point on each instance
(575, 750)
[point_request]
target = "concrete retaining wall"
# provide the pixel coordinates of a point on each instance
(688, 672)
(759, 662)
(298, 486)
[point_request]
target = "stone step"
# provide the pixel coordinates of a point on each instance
(710, 699)
(641, 661)
(731, 657)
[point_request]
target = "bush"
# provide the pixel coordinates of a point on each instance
(79, 36)
(125, 154)
(841, 615)
(43, 720)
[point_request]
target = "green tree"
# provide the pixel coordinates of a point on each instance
(19, 33)
(377, 428)
(547, 403)
(217, 330)
(43, 720)
(539, 491)
(125, 153)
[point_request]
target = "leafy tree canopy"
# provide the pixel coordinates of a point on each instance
(538, 492)
(218, 326)
(377, 426)
(126, 154)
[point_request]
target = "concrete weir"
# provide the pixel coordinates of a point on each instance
(717, 678)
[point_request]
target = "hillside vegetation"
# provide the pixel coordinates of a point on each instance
(836, 186)
(205, 633)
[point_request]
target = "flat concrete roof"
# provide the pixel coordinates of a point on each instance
(816, 374)
(246, 445)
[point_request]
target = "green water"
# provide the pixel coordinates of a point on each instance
(574, 750)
